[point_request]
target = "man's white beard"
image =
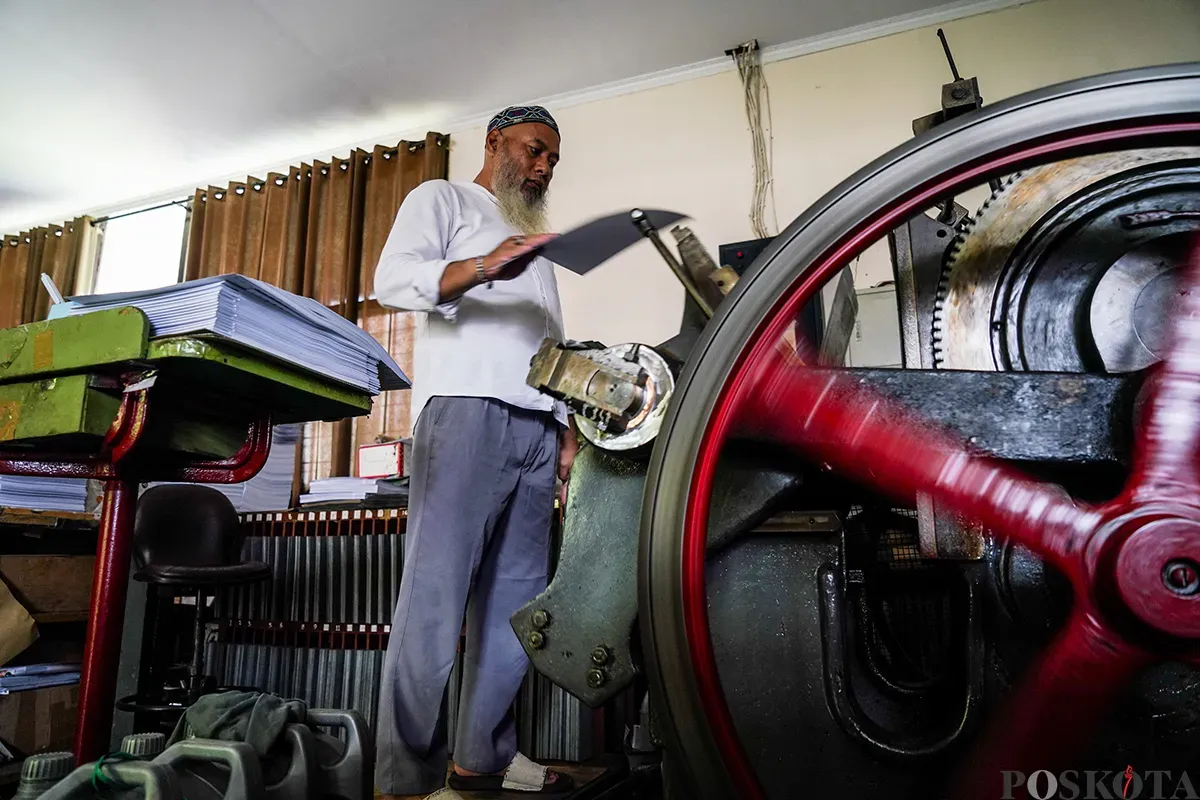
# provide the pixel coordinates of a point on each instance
(526, 215)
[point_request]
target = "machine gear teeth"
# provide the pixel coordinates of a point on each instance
(976, 259)
(948, 261)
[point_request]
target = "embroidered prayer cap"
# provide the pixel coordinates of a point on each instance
(516, 115)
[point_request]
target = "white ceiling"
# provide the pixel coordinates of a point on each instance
(109, 104)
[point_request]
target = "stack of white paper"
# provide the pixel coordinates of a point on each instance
(295, 329)
(43, 494)
(271, 488)
(347, 490)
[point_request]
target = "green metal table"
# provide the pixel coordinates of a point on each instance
(95, 397)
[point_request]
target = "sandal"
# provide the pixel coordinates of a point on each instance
(522, 775)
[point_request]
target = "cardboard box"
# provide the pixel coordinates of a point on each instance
(40, 720)
(52, 588)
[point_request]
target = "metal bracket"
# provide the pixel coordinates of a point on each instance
(608, 394)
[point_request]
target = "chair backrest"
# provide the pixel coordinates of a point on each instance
(186, 525)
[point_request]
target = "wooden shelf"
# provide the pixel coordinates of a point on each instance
(59, 617)
(46, 519)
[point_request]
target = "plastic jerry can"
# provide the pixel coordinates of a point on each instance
(151, 781)
(344, 770)
(40, 772)
(206, 769)
(144, 746)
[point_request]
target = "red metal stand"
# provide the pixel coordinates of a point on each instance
(102, 652)
(110, 580)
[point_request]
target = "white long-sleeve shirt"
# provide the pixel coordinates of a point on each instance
(480, 344)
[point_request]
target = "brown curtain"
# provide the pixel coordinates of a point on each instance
(57, 250)
(318, 231)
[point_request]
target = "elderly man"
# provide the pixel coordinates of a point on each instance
(486, 451)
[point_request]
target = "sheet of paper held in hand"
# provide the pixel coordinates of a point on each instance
(584, 248)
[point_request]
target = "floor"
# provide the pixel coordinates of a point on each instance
(580, 774)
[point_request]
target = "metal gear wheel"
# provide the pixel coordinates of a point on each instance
(1013, 253)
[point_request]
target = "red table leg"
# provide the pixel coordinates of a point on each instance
(102, 653)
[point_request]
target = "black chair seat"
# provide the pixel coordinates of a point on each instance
(225, 575)
(190, 539)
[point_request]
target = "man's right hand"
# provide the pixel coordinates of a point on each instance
(504, 263)
(512, 256)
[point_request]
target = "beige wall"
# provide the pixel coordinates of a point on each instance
(686, 147)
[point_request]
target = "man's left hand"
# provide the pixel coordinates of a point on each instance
(568, 446)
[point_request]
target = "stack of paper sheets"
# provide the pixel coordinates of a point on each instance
(271, 488)
(294, 329)
(44, 494)
(351, 490)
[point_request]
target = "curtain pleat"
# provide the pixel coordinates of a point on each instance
(233, 244)
(197, 230)
(55, 250)
(282, 260)
(14, 280)
(333, 265)
(253, 228)
(318, 231)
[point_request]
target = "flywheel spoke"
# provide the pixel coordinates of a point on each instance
(1165, 461)
(1055, 712)
(859, 433)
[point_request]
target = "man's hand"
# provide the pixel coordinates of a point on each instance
(502, 264)
(568, 446)
(512, 256)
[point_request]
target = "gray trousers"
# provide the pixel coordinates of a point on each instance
(480, 504)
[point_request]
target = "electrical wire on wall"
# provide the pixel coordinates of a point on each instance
(757, 96)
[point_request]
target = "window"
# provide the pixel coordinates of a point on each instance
(141, 251)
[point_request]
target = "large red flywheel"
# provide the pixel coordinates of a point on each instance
(1133, 563)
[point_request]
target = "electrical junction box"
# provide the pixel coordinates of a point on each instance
(876, 338)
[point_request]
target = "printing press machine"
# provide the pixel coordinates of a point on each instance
(935, 581)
